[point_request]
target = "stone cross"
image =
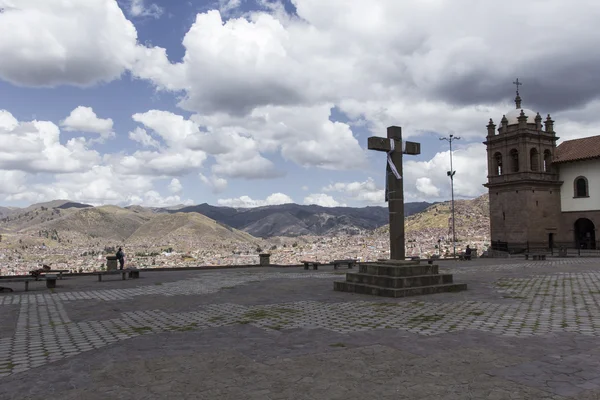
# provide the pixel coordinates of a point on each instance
(394, 185)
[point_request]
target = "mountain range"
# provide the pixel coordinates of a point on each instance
(141, 223)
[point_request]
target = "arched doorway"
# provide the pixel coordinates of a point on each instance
(585, 234)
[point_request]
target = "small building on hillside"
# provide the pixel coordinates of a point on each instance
(541, 195)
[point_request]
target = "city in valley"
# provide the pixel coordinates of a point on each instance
(80, 239)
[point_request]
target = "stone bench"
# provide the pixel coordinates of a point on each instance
(119, 271)
(133, 273)
(535, 256)
(314, 264)
(52, 271)
(350, 263)
(50, 282)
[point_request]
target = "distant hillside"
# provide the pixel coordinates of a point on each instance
(435, 222)
(186, 226)
(63, 221)
(297, 220)
(106, 222)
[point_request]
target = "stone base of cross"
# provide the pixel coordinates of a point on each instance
(395, 148)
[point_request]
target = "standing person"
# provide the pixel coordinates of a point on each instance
(121, 257)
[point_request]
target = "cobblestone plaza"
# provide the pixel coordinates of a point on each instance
(522, 330)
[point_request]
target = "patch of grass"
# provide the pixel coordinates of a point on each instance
(9, 366)
(384, 305)
(46, 353)
(476, 313)
(426, 318)
(141, 329)
(453, 326)
(158, 283)
(184, 328)
(275, 327)
(594, 291)
(243, 322)
(514, 297)
(564, 325)
(337, 345)
(283, 310)
(214, 319)
(256, 314)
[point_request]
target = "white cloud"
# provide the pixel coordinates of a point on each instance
(141, 136)
(303, 135)
(383, 63)
(175, 186)
(425, 186)
(54, 42)
(84, 119)
(322, 199)
(247, 202)
(428, 181)
(365, 192)
(226, 6)
(12, 182)
(217, 185)
(154, 199)
(35, 147)
(137, 8)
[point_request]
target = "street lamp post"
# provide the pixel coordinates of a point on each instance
(451, 173)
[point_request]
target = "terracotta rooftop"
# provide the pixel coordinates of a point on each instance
(578, 149)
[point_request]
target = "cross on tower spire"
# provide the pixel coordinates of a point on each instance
(518, 98)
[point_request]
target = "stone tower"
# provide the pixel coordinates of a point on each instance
(524, 189)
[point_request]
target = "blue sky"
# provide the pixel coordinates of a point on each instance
(252, 102)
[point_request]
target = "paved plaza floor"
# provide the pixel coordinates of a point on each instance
(523, 330)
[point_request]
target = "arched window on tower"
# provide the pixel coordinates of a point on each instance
(547, 160)
(498, 163)
(534, 160)
(514, 160)
(581, 187)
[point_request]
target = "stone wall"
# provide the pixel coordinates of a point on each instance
(522, 213)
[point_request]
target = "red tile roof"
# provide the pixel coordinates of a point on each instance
(578, 149)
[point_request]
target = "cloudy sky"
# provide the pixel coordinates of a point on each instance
(254, 102)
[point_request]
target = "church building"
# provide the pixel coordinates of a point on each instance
(541, 195)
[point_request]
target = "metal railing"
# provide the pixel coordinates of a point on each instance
(561, 249)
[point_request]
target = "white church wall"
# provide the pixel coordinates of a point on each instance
(590, 169)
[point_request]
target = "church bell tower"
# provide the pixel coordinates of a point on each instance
(524, 190)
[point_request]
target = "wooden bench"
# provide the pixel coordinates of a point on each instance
(535, 256)
(50, 282)
(350, 263)
(314, 264)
